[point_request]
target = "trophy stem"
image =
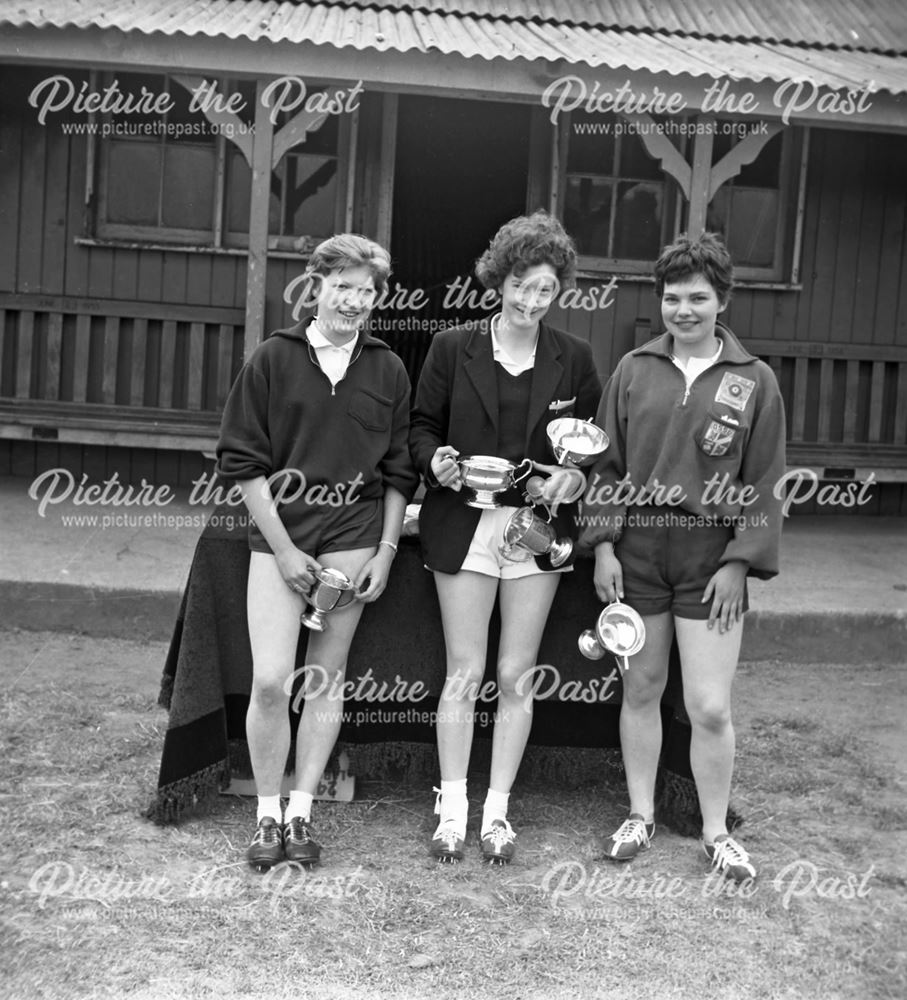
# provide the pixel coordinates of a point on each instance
(560, 551)
(313, 619)
(484, 500)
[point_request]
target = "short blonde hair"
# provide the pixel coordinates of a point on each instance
(351, 250)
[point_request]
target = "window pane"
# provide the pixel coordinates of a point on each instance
(637, 235)
(183, 125)
(188, 187)
(133, 180)
(636, 162)
(311, 195)
(765, 170)
(752, 229)
(590, 152)
(587, 213)
(135, 90)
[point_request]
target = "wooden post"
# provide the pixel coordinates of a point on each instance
(700, 182)
(257, 268)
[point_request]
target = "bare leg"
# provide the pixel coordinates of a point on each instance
(708, 662)
(525, 604)
(466, 600)
(640, 713)
(326, 655)
(273, 611)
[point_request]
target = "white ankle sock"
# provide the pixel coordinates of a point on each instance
(453, 803)
(495, 808)
(300, 805)
(269, 805)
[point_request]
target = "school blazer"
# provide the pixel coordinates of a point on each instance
(457, 404)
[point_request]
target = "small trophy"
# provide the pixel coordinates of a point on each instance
(619, 630)
(527, 535)
(332, 590)
(487, 476)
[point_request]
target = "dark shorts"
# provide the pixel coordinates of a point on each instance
(668, 558)
(335, 529)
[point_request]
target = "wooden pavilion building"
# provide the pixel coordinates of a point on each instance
(166, 166)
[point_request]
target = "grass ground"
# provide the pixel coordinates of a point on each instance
(98, 902)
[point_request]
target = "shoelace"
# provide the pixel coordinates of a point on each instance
(632, 831)
(729, 854)
(448, 834)
(299, 831)
(500, 834)
(268, 833)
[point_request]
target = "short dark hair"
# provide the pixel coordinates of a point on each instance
(524, 242)
(351, 250)
(685, 257)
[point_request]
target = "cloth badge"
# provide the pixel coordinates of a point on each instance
(561, 404)
(717, 438)
(734, 390)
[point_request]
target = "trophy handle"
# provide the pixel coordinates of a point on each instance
(526, 466)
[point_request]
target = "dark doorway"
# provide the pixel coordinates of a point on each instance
(461, 171)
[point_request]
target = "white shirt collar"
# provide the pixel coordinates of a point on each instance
(499, 353)
(318, 340)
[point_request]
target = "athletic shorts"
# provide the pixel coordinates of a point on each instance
(668, 557)
(337, 529)
(484, 555)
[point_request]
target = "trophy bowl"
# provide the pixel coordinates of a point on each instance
(332, 590)
(526, 532)
(576, 442)
(486, 475)
(619, 630)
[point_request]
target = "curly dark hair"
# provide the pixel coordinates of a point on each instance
(685, 257)
(524, 242)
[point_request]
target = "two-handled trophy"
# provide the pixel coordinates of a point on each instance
(619, 630)
(487, 476)
(575, 443)
(331, 590)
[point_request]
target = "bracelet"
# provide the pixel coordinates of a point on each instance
(384, 541)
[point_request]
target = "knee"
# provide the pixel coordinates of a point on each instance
(515, 680)
(641, 692)
(270, 691)
(464, 678)
(712, 716)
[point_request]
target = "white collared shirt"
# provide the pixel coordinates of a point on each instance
(334, 360)
(505, 360)
(694, 367)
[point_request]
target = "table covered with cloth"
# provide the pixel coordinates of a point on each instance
(388, 729)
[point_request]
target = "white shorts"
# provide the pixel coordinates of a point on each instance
(484, 555)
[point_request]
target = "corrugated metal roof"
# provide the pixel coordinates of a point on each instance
(391, 28)
(870, 25)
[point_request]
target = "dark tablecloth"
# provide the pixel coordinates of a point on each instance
(207, 681)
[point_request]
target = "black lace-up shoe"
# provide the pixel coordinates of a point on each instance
(299, 842)
(266, 849)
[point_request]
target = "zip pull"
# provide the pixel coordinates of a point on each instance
(333, 389)
(686, 394)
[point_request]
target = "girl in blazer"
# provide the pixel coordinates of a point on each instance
(492, 388)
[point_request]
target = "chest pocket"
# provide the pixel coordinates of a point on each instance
(720, 435)
(371, 409)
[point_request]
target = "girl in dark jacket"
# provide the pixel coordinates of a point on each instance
(492, 388)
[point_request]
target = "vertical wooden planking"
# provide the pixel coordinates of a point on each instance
(851, 401)
(10, 199)
(198, 279)
(195, 371)
(826, 374)
(900, 409)
(80, 359)
(31, 207)
(125, 274)
(224, 363)
(151, 276)
(845, 293)
(54, 350)
(25, 343)
(139, 345)
(798, 420)
(76, 257)
(877, 388)
(892, 251)
(100, 272)
(7, 347)
(111, 348)
(867, 241)
(53, 255)
(168, 363)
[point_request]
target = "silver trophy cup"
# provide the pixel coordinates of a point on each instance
(332, 590)
(619, 630)
(527, 534)
(487, 476)
(576, 442)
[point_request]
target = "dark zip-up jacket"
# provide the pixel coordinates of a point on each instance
(729, 425)
(334, 446)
